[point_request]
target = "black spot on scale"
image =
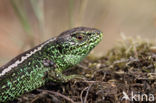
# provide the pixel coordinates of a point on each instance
(89, 34)
(60, 49)
(47, 52)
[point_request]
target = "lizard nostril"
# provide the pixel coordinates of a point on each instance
(89, 34)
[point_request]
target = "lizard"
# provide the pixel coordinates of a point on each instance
(46, 61)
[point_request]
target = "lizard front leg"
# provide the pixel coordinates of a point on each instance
(58, 76)
(55, 74)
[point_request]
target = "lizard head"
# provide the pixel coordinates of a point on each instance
(76, 43)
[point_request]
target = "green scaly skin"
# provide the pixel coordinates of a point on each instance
(47, 61)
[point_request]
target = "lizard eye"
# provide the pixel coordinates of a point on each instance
(80, 37)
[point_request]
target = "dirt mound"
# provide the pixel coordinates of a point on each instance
(126, 74)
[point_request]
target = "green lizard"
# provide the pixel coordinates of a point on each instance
(33, 68)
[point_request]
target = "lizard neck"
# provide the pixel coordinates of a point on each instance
(62, 60)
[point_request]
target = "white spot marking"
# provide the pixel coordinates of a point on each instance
(16, 63)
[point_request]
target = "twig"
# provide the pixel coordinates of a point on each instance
(38, 96)
(82, 93)
(85, 100)
(58, 94)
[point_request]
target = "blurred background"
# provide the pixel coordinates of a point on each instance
(26, 23)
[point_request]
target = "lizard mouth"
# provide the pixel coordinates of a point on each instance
(96, 39)
(91, 43)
